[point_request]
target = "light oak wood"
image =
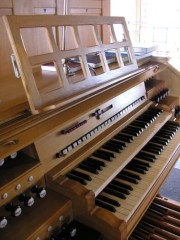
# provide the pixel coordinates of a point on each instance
(164, 226)
(49, 122)
(5, 11)
(44, 3)
(36, 220)
(100, 219)
(140, 198)
(153, 87)
(44, 131)
(85, 4)
(40, 100)
(6, 4)
(172, 81)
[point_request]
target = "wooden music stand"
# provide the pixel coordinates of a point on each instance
(47, 90)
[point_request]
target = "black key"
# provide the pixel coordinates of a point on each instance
(145, 119)
(141, 162)
(155, 113)
(163, 135)
(155, 110)
(81, 175)
(129, 179)
(114, 193)
(171, 128)
(78, 179)
(108, 200)
(123, 185)
(145, 158)
(112, 147)
(96, 161)
(130, 132)
(171, 123)
(90, 164)
(124, 137)
(148, 155)
(138, 124)
(148, 119)
(135, 129)
(150, 116)
(118, 189)
(151, 150)
(88, 169)
(160, 140)
(142, 123)
(122, 145)
(106, 153)
(138, 166)
(168, 132)
(159, 147)
(102, 156)
(152, 113)
(135, 168)
(105, 205)
(159, 144)
(130, 174)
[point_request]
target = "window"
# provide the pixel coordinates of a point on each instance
(155, 21)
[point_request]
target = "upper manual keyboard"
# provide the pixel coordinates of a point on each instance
(105, 163)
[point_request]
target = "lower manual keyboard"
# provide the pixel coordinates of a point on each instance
(146, 161)
(143, 181)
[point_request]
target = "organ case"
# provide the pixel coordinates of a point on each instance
(76, 117)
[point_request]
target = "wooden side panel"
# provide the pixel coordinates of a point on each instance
(85, 4)
(44, 3)
(11, 88)
(86, 8)
(85, 210)
(6, 4)
(23, 7)
(172, 81)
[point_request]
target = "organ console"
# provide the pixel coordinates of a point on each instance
(85, 156)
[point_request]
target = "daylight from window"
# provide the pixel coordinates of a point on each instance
(152, 21)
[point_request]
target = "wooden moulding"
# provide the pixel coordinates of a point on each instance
(85, 210)
(47, 90)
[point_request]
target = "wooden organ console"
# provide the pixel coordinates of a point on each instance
(90, 145)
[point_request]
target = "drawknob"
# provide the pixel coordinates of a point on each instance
(3, 222)
(40, 191)
(15, 210)
(27, 199)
